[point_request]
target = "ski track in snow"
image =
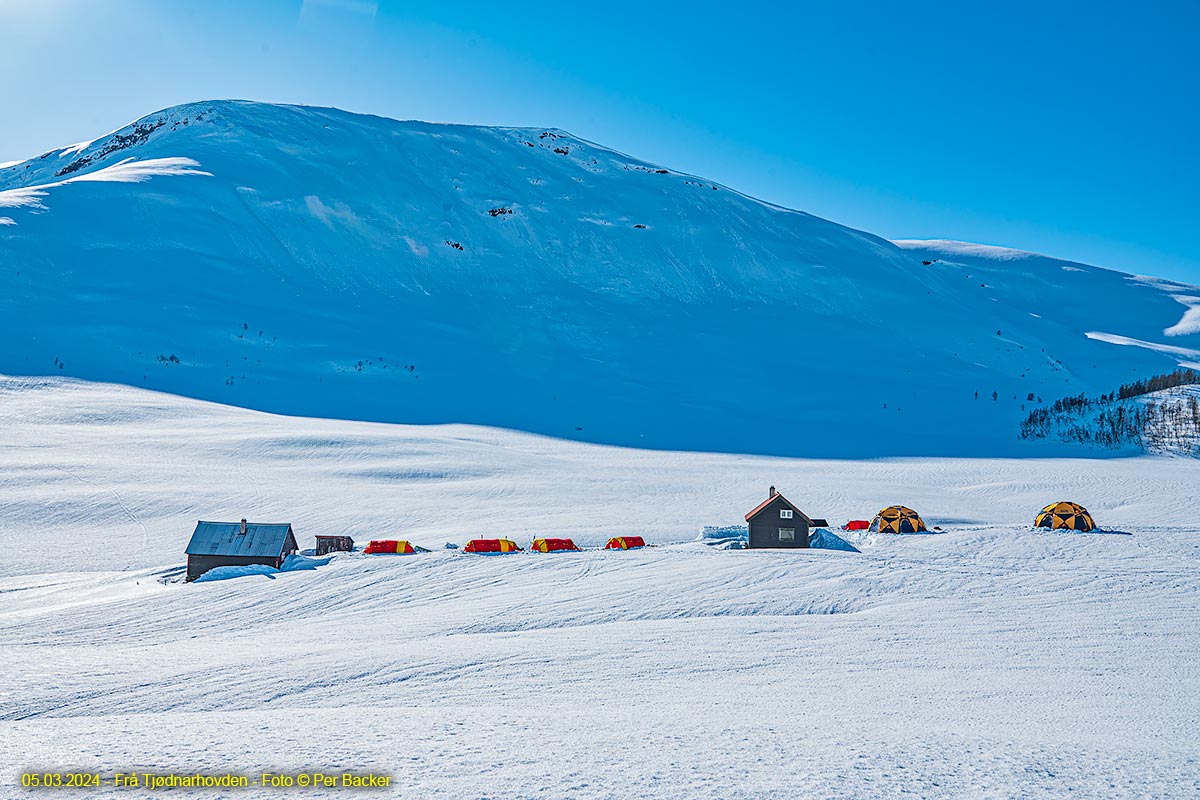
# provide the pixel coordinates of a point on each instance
(987, 661)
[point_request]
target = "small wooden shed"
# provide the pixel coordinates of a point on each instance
(777, 523)
(334, 544)
(238, 544)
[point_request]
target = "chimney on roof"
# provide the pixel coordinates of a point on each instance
(772, 494)
(243, 531)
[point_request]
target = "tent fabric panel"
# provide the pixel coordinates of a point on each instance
(625, 543)
(898, 519)
(491, 546)
(552, 545)
(379, 546)
(1065, 515)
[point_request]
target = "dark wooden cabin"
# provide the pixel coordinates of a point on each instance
(777, 523)
(238, 544)
(334, 544)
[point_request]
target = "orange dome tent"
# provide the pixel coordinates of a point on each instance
(551, 545)
(625, 543)
(396, 546)
(1067, 516)
(491, 546)
(898, 519)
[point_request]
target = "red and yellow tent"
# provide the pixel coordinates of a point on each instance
(551, 545)
(399, 546)
(491, 546)
(625, 543)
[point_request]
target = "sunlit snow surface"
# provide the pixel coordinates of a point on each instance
(125, 171)
(989, 660)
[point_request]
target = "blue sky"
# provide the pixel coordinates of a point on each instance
(1069, 128)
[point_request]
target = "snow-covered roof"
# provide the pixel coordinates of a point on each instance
(226, 539)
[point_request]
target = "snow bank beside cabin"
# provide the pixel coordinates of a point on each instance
(735, 537)
(826, 539)
(241, 571)
(293, 563)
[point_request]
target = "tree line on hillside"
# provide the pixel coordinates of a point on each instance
(1180, 377)
(1173, 424)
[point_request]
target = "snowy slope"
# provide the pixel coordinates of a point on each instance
(1067, 296)
(1165, 422)
(86, 465)
(310, 261)
(989, 661)
(1173, 425)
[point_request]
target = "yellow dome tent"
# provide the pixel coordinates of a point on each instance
(898, 519)
(1066, 516)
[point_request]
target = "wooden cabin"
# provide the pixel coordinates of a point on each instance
(238, 544)
(776, 522)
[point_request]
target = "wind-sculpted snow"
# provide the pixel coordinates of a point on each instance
(1126, 341)
(339, 265)
(987, 660)
(1190, 321)
(127, 171)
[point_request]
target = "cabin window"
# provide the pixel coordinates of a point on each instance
(785, 513)
(787, 534)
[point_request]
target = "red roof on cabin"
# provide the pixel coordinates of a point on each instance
(772, 499)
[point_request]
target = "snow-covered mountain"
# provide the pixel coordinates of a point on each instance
(311, 261)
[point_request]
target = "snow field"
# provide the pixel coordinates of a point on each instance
(117, 477)
(989, 661)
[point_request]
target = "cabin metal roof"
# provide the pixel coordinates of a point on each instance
(226, 539)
